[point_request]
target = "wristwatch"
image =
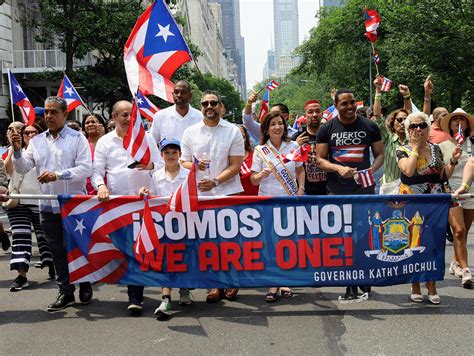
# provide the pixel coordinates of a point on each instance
(59, 175)
(216, 182)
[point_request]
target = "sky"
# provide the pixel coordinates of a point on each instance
(256, 26)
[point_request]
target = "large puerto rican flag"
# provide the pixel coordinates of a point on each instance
(154, 50)
(20, 99)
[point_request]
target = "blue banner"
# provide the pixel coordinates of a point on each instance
(260, 241)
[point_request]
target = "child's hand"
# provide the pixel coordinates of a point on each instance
(143, 191)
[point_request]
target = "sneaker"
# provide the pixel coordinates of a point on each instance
(5, 241)
(185, 297)
(466, 280)
(19, 283)
(164, 308)
(62, 301)
(455, 269)
(135, 308)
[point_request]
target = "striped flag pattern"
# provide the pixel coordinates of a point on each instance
(135, 141)
(458, 137)
(365, 178)
(147, 239)
(185, 199)
(272, 85)
(386, 85)
(146, 107)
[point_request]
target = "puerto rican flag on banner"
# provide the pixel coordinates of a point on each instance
(372, 22)
(147, 239)
(458, 136)
(272, 85)
(20, 99)
(386, 85)
(185, 199)
(146, 107)
(135, 141)
(353, 153)
(265, 105)
(70, 94)
(154, 50)
(298, 155)
(365, 178)
(330, 113)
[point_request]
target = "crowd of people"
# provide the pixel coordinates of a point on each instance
(418, 155)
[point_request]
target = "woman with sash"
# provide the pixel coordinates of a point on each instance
(275, 176)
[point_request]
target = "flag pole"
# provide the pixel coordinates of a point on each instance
(11, 96)
(373, 54)
(370, 78)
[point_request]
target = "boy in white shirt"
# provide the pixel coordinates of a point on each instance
(164, 182)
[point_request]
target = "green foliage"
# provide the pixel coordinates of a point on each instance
(416, 38)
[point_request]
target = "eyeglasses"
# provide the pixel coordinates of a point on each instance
(29, 133)
(213, 103)
(400, 119)
(422, 125)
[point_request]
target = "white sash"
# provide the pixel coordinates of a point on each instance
(278, 168)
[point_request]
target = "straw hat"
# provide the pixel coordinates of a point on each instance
(458, 112)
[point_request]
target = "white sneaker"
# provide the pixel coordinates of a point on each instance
(164, 308)
(455, 269)
(185, 297)
(466, 278)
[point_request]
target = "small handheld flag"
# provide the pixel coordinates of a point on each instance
(386, 85)
(185, 199)
(298, 155)
(330, 113)
(265, 105)
(135, 141)
(376, 58)
(147, 239)
(372, 22)
(365, 178)
(70, 94)
(20, 99)
(272, 85)
(146, 107)
(458, 136)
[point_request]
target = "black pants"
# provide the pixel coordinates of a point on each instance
(53, 231)
(135, 293)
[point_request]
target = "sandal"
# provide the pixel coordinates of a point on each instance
(416, 298)
(434, 299)
(286, 293)
(271, 297)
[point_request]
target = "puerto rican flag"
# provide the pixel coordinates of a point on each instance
(376, 58)
(245, 169)
(365, 178)
(298, 155)
(272, 85)
(154, 50)
(372, 22)
(265, 105)
(386, 85)
(146, 107)
(458, 136)
(135, 141)
(70, 94)
(353, 153)
(147, 239)
(20, 99)
(185, 199)
(330, 113)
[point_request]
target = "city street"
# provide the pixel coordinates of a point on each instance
(312, 322)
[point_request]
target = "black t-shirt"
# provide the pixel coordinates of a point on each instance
(349, 145)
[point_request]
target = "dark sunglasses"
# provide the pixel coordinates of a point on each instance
(213, 103)
(422, 125)
(400, 119)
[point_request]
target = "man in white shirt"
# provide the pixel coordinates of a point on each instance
(63, 163)
(219, 147)
(172, 121)
(111, 159)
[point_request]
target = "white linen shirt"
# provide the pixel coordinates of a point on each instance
(168, 123)
(163, 186)
(270, 185)
(68, 155)
(218, 142)
(112, 159)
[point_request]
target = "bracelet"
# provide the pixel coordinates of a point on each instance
(427, 99)
(465, 186)
(414, 154)
(406, 97)
(452, 163)
(301, 187)
(378, 97)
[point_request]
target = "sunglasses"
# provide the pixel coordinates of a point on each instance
(400, 119)
(422, 125)
(28, 133)
(213, 103)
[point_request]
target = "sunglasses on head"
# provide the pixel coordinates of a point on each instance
(422, 125)
(213, 103)
(400, 119)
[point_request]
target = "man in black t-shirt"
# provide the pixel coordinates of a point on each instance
(316, 179)
(343, 148)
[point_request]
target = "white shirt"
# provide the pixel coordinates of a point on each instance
(163, 186)
(218, 142)
(271, 185)
(25, 184)
(168, 123)
(68, 155)
(112, 159)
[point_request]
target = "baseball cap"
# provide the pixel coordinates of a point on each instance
(39, 111)
(169, 142)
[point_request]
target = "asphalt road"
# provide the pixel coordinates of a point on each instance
(312, 322)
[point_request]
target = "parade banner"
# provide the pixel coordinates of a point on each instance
(258, 241)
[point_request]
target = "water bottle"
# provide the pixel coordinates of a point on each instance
(207, 161)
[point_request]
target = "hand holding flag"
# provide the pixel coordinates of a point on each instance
(364, 178)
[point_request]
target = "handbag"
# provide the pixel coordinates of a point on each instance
(390, 188)
(13, 203)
